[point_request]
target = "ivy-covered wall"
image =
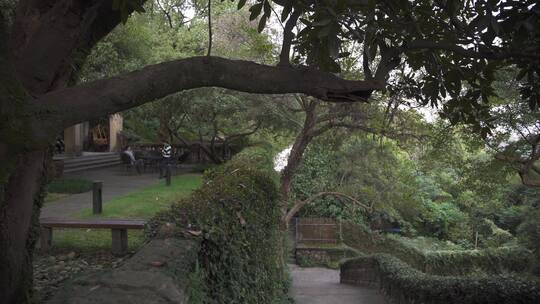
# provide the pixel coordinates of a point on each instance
(405, 284)
(241, 256)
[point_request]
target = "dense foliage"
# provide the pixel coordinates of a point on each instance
(446, 261)
(405, 284)
(241, 253)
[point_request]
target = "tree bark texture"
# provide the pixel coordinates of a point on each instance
(47, 40)
(300, 144)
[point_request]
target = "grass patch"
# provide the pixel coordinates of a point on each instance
(70, 186)
(91, 240)
(148, 201)
(140, 204)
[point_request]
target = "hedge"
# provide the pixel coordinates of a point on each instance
(405, 284)
(313, 256)
(440, 262)
(241, 257)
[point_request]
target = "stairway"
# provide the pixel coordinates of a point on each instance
(89, 160)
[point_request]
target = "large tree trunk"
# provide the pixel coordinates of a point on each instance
(19, 225)
(44, 39)
(22, 176)
(297, 152)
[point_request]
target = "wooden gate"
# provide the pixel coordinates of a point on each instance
(317, 230)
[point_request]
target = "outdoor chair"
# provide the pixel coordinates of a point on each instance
(182, 158)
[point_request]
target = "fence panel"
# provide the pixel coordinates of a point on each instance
(317, 230)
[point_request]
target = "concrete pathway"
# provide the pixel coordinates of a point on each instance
(116, 182)
(321, 286)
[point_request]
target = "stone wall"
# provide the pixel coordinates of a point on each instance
(156, 274)
(360, 273)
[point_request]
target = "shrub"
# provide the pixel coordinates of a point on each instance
(325, 256)
(241, 256)
(529, 233)
(441, 262)
(405, 284)
(491, 235)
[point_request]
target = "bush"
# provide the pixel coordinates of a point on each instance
(71, 186)
(241, 257)
(529, 233)
(316, 256)
(405, 284)
(441, 262)
(491, 235)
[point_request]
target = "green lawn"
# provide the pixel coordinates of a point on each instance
(140, 204)
(146, 202)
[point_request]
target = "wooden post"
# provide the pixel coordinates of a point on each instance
(45, 238)
(97, 200)
(340, 233)
(168, 175)
(295, 232)
(119, 241)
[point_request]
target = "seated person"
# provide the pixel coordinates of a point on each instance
(137, 163)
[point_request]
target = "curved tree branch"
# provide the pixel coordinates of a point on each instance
(96, 99)
(209, 28)
(287, 218)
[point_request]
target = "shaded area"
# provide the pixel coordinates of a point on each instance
(321, 286)
(116, 182)
(156, 274)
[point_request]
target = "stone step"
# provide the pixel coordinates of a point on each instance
(90, 157)
(89, 167)
(90, 162)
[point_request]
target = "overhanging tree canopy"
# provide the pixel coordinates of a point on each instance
(449, 51)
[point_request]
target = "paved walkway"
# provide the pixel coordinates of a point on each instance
(321, 286)
(116, 182)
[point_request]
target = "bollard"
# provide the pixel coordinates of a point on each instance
(97, 200)
(168, 175)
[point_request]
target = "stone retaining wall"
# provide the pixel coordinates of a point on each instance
(360, 274)
(156, 274)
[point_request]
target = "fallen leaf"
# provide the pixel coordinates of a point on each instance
(194, 232)
(157, 263)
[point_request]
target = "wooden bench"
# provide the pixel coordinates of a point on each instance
(118, 228)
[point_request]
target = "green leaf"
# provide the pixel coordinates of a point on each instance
(255, 11)
(521, 74)
(262, 23)
(286, 11)
(267, 8)
(241, 4)
(138, 7)
(305, 21)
